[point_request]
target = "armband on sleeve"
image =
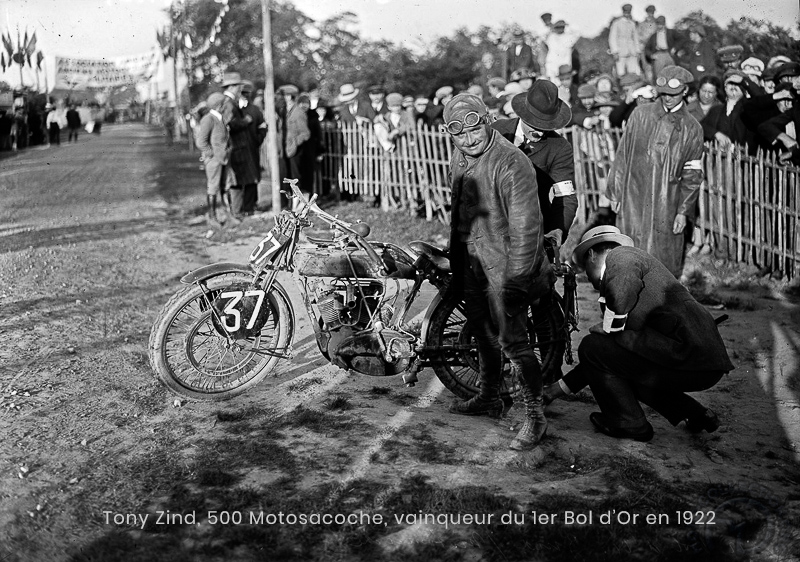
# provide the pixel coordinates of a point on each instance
(561, 189)
(613, 322)
(693, 165)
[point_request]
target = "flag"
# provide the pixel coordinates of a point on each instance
(24, 41)
(31, 47)
(3, 61)
(39, 59)
(9, 47)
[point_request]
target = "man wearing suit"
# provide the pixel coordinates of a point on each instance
(519, 55)
(242, 165)
(541, 112)
(213, 142)
(376, 106)
(349, 102)
(256, 132)
(656, 342)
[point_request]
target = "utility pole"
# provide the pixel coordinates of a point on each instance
(269, 106)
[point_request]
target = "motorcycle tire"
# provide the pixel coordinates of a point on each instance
(195, 361)
(460, 373)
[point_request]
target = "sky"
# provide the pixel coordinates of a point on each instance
(110, 28)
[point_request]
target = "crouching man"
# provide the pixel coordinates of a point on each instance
(497, 257)
(656, 342)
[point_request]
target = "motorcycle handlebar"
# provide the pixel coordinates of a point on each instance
(353, 231)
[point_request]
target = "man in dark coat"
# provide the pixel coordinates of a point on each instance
(657, 171)
(540, 112)
(497, 258)
(256, 132)
(244, 167)
(518, 56)
(73, 122)
(697, 55)
(656, 342)
(348, 103)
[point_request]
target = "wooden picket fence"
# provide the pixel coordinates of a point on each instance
(748, 203)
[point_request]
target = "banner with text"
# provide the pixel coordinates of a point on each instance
(80, 74)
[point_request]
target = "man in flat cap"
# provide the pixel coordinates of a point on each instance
(656, 175)
(498, 259)
(661, 47)
(624, 44)
(213, 142)
(367, 112)
(655, 343)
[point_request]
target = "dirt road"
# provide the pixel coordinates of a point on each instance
(99, 462)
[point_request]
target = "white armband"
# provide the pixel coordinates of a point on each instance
(560, 189)
(693, 165)
(613, 322)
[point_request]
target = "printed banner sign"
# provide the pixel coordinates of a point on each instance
(79, 74)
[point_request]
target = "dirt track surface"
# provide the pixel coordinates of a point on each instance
(99, 462)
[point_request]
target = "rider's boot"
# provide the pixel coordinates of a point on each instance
(487, 401)
(535, 426)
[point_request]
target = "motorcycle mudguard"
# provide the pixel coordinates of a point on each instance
(213, 270)
(426, 320)
(216, 269)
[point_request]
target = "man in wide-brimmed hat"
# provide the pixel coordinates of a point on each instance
(540, 112)
(657, 171)
(348, 98)
(655, 343)
(243, 170)
(497, 258)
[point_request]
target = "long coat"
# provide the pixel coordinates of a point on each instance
(257, 131)
(656, 175)
(244, 164)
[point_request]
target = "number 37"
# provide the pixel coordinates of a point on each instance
(231, 312)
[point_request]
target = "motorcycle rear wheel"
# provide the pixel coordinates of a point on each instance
(193, 360)
(459, 371)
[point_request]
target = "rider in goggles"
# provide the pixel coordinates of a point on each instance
(471, 119)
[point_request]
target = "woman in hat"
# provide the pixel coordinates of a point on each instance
(723, 123)
(697, 55)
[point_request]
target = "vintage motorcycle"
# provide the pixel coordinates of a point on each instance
(227, 330)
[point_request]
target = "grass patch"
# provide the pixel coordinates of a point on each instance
(418, 444)
(339, 402)
(379, 391)
(319, 422)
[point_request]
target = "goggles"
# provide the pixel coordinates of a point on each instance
(673, 83)
(471, 119)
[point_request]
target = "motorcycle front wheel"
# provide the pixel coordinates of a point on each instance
(190, 356)
(456, 365)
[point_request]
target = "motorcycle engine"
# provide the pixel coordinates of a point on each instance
(345, 304)
(346, 310)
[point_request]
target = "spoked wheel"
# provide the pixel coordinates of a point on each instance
(456, 364)
(190, 355)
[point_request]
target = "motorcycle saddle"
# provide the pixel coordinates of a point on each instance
(438, 256)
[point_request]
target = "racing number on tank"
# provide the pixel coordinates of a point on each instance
(230, 309)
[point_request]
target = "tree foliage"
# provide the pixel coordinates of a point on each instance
(331, 52)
